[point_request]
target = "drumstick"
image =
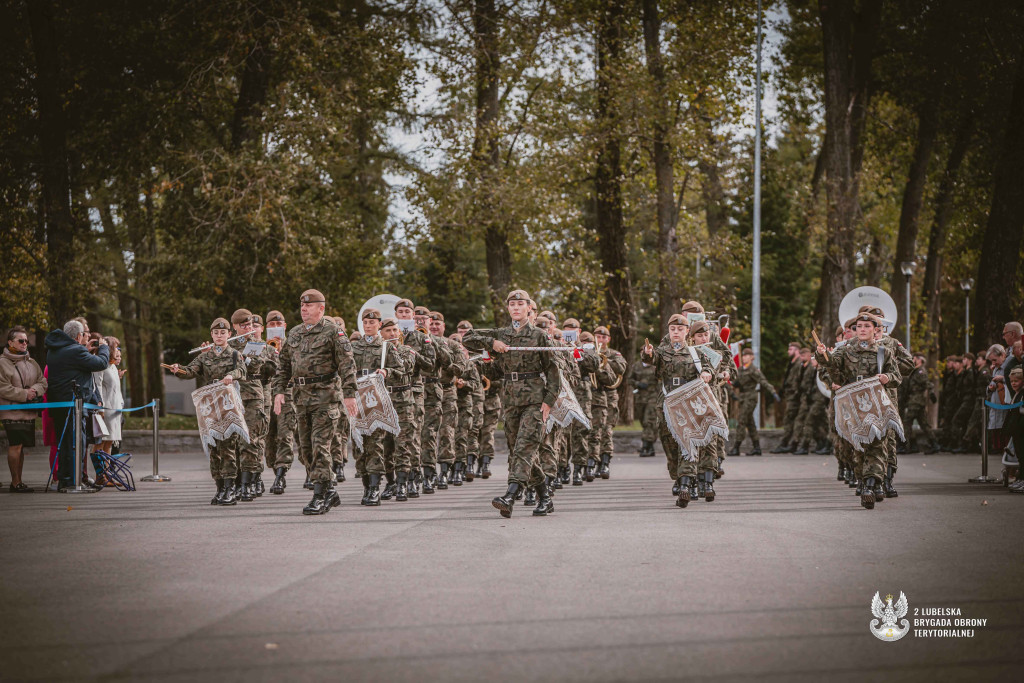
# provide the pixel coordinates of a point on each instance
(818, 342)
(168, 367)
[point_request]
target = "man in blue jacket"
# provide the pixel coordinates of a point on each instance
(70, 363)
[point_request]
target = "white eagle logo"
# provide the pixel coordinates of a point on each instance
(864, 402)
(699, 406)
(888, 615)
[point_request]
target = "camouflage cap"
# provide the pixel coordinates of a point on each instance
(242, 315)
(868, 317)
(455, 338)
(257, 319)
(464, 325)
(421, 310)
(693, 307)
(533, 305)
(548, 314)
(372, 313)
(851, 323)
(699, 326)
(678, 319)
(748, 352)
(436, 315)
(586, 337)
(557, 334)
(873, 310)
(312, 296)
(404, 303)
(388, 322)
(601, 329)
(220, 324)
(275, 317)
(517, 295)
(570, 324)
(839, 331)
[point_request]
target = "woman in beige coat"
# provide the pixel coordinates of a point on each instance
(21, 381)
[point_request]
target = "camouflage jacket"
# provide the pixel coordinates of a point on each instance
(471, 381)
(448, 374)
(746, 380)
(540, 384)
(642, 379)
(857, 360)
(918, 388)
(398, 362)
(210, 366)
(316, 351)
(256, 368)
(489, 370)
(588, 367)
(442, 361)
(425, 353)
(809, 383)
(674, 366)
(791, 382)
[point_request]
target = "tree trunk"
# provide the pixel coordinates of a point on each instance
(126, 304)
(1000, 249)
(917, 177)
(711, 189)
(55, 179)
(669, 299)
(847, 78)
(611, 229)
(252, 92)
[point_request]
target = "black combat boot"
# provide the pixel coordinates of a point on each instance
(720, 472)
(801, 450)
(308, 484)
(389, 488)
(366, 490)
(230, 495)
(735, 450)
(709, 486)
(841, 475)
(867, 496)
(220, 492)
(504, 503)
(932, 448)
(257, 485)
(577, 475)
(402, 492)
(414, 489)
(373, 498)
(317, 506)
(339, 471)
(700, 485)
(694, 493)
(531, 496)
(783, 447)
(566, 475)
(756, 450)
(331, 496)
(470, 467)
(442, 482)
(606, 459)
(876, 489)
(887, 486)
(648, 450)
(589, 473)
(277, 488)
(677, 486)
(456, 479)
(543, 501)
(684, 492)
(485, 467)
(428, 480)
(823, 448)
(247, 493)
(556, 481)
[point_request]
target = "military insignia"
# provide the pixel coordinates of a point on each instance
(863, 345)
(694, 417)
(864, 413)
(884, 626)
(220, 414)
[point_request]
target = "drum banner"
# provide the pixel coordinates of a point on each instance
(220, 414)
(566, 408)
(865, 413)
(694, 417)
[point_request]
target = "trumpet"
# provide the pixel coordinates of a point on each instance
(275, 343)
(487, 383)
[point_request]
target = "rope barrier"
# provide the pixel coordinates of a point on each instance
(70, 404)
(1001, 406)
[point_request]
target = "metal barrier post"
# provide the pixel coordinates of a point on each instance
(156, 476)
(984, 478)
(79, 437)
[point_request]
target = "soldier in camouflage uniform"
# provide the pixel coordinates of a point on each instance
(251, 390)
(856, 360)
(982, 378)
(465, 392)
(339, 445)
(312, 359)
(398, 448)
(580, 439)
(281, 447)
(433, 397)
(492, 413)
(645, 405)
(220, 363)
(675, 364)
(416, 337)
(449, 409)
(708, 463)
(747, 383)
(694, 312)
(815, 425)
(803, 400)
(553, 438)
(918, 394)
(530, 389)
(616, 370)
(475, 417)
(266, 376)
(791, 393)
(952, 397)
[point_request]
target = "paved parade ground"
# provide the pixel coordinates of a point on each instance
(773, 580)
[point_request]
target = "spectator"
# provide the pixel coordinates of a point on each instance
(1013, 332)
(1015, 422)
(21, 381)
(70, 371)
(108, 386)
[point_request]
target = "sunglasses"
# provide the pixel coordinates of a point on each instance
(20, 341)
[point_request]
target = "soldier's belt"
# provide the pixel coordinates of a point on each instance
(431, 380)
(314, 379)
(398, 389)
(447, 385)
(672, 382)
(519, 376)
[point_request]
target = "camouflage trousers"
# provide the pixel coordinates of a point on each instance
(815, 425)
(449, 421)
(430, 431)
(973, 433)
(465, 436)
(339, 444)
(548, 455)
(919, 413)
(801, 419)
(707, 456)
(745, 421)
(562, 450)
(678, 465)
(316, 425)
(224, 459)
(488, 424)
(579, 438)
(599, 415)
(370, 458)
(649, 413)
(398, 448)
(611, 418)
(524, 431)
(250, 454)
(789, 433)
(268, 410)
(871, 461)
(419, 413)
(280, 441)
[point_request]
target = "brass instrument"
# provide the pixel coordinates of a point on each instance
(275, 343)
(604, 364)
(487, 383)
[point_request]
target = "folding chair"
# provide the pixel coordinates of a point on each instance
(117, 468)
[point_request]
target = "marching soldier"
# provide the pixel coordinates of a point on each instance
(747, 383)
(530, 389)
(219, 363)
(398, 448)
(675, 364)
(708, 462)
(851, 363)
(266, 376)
(716, 342)
(919, 394)
(803, 399)
(791, 393)
(492, 412)
(280, 450)
(449, 407)
(616, 365)
(312, 359)
(339, 446)
(465, 392)
(815, 425)
(417, 339)
(580, 442)
(251, 390)
(433, 397)
(645, 405)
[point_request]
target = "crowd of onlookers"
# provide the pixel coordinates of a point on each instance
(79, 364)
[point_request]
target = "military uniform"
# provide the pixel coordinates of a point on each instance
(791, 394)
(465, 434)
(616, 369)
(420, 343)
(645, 404)
(747, 382)
(433, 397)
(312, 358)
(814, 427)
(919, 390)
(449, 417)
(256, 417)
(398, 449)
(581, 445)
(973, 434)
(492, 413)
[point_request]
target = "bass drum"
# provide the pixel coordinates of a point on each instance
(869, 296)
(385, 303)
(822, 388)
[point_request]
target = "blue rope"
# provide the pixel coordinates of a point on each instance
(69, 404)
(1000, 406)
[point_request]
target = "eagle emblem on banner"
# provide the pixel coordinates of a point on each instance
(694, 417)
(220, 414)
(864, 413)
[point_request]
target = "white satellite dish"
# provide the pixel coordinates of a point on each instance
(385, 303)
(869, 296)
